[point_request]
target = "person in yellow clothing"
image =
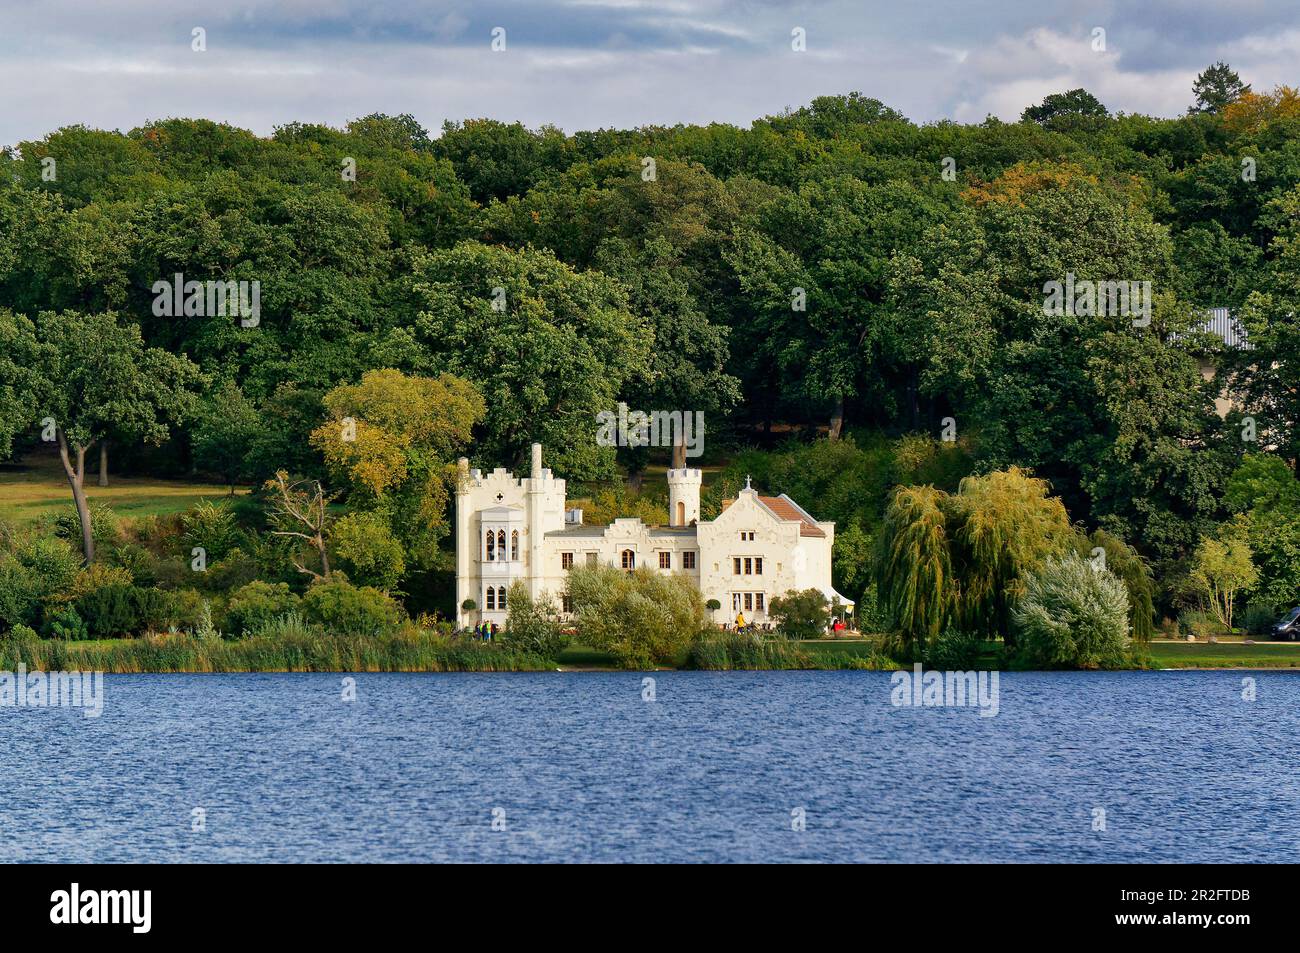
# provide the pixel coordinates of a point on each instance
(740, 621)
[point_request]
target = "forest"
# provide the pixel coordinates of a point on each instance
(855, 302)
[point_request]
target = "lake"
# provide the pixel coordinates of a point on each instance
(718, 767)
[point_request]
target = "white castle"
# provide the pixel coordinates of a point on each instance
(512, 529)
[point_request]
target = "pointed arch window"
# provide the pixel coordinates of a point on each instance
(501, 544)
(514, 545)
(490, 599)
(501, 598)
(491, 546)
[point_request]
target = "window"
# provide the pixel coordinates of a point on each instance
(735, 601)
(501, 598)
(592, 559)
(665, 560)
(566, 602)
(758, 602)
(490, 599)
(629, 560)
(566, 560)
(688, 560)
(749, 601)
(749, 566)
(758, 565)
(681, 513)
(501, 545)
(735, 565)
(747, 536)
(491, 546)
(514, 545)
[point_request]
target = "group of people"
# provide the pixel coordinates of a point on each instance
(486, 631)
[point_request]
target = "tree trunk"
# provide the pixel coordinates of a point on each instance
(103, 463)
(679, 455)
(75, 480)
(837, 419)
(324, 556)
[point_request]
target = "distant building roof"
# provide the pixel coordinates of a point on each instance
(1223, 324)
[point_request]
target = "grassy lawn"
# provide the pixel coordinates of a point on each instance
(1226, 654)
(37, 488)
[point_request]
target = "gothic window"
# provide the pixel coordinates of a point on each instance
(501, 544)
(514, 545)
(501, 598)
(490, 600)
(491, 546)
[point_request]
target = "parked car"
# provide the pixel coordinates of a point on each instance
(1288, 630)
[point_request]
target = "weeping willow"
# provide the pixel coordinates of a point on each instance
(1123, 560)
(1003, 527)
(962, 559)
(914, 571)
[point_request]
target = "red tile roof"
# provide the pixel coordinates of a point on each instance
(786, 510)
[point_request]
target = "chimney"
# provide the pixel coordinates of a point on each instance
(537, 461)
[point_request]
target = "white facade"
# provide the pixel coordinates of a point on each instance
(510, 529)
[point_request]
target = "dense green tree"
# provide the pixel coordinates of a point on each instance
(548, 347)
(1216, 87)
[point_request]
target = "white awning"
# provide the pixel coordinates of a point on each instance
(831, 596)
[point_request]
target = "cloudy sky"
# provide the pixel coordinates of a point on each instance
(591, 63)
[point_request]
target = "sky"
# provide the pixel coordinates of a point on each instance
(586, 64)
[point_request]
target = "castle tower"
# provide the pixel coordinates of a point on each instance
(465, 589)
(684, 496)
(537, 485)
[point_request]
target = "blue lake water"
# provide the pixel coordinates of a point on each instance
(577, 767)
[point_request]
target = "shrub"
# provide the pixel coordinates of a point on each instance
(255, 604)
(210, 526)
(136, 560)
(97, 576)
(1258, 618)
(187, 609)
(801, 615)
(533, 626)
(22, 635)
(1199, 624)
(66, 624)
(236, 569)
(109, 611)
(1072, 616)
(19, 593)
(368, 550)
(954, 651)
(286, 627)
(52, 561)
(343, 608)
(104, 524)
(642, 618)
(155, 610)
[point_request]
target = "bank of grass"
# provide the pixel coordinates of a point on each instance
(400, 652)
(731, 651)
(1225, 655)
